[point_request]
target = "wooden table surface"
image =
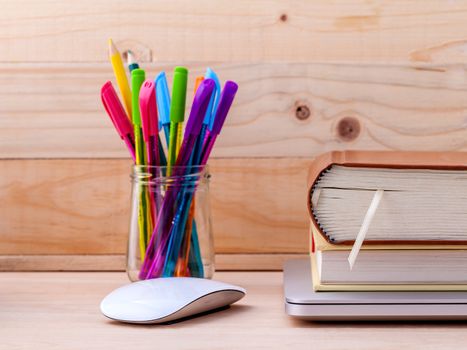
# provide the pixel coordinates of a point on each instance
(60, 310)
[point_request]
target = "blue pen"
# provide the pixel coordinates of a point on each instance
(163, 104)
(192, 130)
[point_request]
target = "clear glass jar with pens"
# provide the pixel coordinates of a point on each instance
(170, 230)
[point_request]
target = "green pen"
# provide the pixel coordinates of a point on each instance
(137, 78)
(144, 217)
(177, 114)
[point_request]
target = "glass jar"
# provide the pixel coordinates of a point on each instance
(170, 225)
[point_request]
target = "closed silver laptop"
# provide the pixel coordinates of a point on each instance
(302, 302)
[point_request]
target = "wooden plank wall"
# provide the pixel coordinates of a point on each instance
(314, 76)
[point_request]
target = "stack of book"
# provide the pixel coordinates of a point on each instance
(416, 238)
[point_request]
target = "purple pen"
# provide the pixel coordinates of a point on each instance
(225, 102)
(192, 130)
(174, 239)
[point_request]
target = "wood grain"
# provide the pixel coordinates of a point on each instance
(61, 311)
(82, 206)
(54, 111)
(117, 262)
(268, 30)
(314, 76)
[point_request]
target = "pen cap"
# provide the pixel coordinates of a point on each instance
(209, 119)
(163, 99)
(148, 109)
(225, 102)
(199, 107)
(115, 110)
(137, 79)
(177, 106)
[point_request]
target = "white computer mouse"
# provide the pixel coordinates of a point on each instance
(167, 299)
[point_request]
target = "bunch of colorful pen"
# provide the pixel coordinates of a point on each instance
(168, 238)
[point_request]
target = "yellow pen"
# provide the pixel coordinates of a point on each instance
(120, 75)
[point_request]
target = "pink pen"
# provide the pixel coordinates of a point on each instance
(149, 119)
(118, 116)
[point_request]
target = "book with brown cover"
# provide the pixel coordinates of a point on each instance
(389, 160)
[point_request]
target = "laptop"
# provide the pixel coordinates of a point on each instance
(301, 301)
